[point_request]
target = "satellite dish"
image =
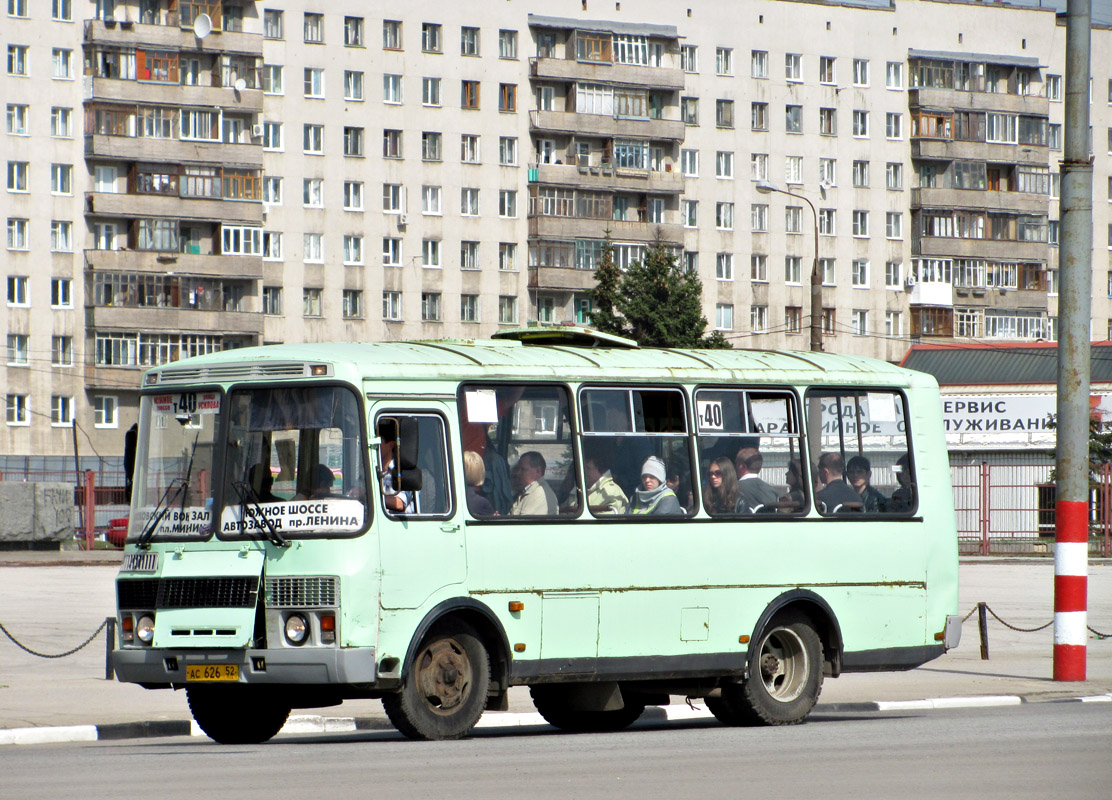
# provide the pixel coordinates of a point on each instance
(240, 84)
(202, 26)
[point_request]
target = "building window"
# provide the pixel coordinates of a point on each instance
(313, 139)
(272, 79)
(61, 122)
(827, 271)
(758, 268)
(17, 59)
(314, 82)
(430, 306)
(507, 310)
(272, 136)
(829, 320)
(430, 253)
(469, 201)
(61, 293)
(17, 233)
(689, 211)
(689, 110)
(507, 203)
(828, 121)
(469, 94)
(314, 28)
(759, 217)
(859, 275)
(61, 10)
(61, 410)
(353, 31)
(861, 174)
(353, 304)
(827, 69)
(893, 225)
(392, 89)
(62, 63)
(894, 76)
(311, 302)
(430, 37)
(860, 224)
(273, 24)
(724, 113)
(314, 248)
(724, 61)
(724, 266)
(724, 316)
(469, 148)
(793, 319)
(391, 144)
(893, 125)
(17, 176)
(469, 308)
(758, 166)
(724, 216)
(893, 175)
(507, 97)
(469, 255)
(392, 306)
(353, 249)
(793, 119)
(860, 72)
(469, 41)
(827, 222)
(391, 34)
(313, 192)
(859, 322)
(793, 67)
(758, 319)
(391, 252)
(758, 64)
(828, 172)
(507, 44)
(430, 200)
(61, 351)
(18, 409)
(893, 275)
(106, 411)
(793, 169)
(18, 350)
(689, 58)
(61, 236)
(689, 163)
(861, 124)
(758, 116)
(793, 267)
(793, 219)
(507, 256)
(430, 146)
(272, 300)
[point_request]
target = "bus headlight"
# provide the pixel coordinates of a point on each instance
(297, 629)
(144, 629)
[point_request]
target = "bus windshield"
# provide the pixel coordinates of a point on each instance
(172, 496)
(294, 464)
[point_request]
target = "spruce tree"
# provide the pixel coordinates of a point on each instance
(606, 294)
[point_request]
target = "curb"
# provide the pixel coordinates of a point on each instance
(654, 715)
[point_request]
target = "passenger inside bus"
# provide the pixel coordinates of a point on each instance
(796, 497)
(534, 497)
(860, 473)
(604, 495)
(474, 473)
(755, 495)
(720, 494)
(261, 481)
(322, 478)
(679, 481)
(394, 499)
(835, 495)
(654, 496)
(903, 499)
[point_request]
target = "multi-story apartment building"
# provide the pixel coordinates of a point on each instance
(188, 175)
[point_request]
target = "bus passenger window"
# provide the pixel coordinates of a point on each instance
(414, 476)
(635, 450)
(859, 446)
(749, 441)
(521, 435)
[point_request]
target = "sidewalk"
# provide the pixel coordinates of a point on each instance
(52, 610)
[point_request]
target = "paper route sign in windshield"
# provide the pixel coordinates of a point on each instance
(294, 516)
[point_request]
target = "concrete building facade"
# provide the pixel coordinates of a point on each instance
(187, 176)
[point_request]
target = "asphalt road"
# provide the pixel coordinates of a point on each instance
(1035, 750)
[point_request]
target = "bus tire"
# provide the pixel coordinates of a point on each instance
(236, 715)
(785, 675)
(554, 709)
(445, 688)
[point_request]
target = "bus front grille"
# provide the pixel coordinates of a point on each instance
(302, 592)
(155, 593)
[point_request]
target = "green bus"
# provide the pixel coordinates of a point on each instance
(434, 522)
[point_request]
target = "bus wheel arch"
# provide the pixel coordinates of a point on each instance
(822, 617)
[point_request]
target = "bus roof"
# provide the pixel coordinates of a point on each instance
(426, 360)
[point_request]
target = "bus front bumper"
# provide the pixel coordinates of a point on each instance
(155, 668)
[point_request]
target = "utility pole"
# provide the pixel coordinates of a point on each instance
(1071, 528)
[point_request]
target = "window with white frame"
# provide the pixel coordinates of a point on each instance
(313, 139)
(430, 253)
(272, 136)
(314, 82)
(893, 125)
(860, 226)
(828, 69)
(859, 322)
(758, 64)
(793, 119)
(828, 171)
(272, 79)
(392, 89)
(469, 41)
(507, 44)
(18, 351)
(61, 410)
(689, 211)
(61, 179)
(827, 271)
(507, 256)
(724, 316)
(17, 60)
(61, 236)
(689, 58)
(793, 269)
(391, 34)
(391, 144)
(17, 176)
(827, 222)
(469, 201)
(758, 318)
(106, 411)
(860, 123)
(430, 200)
(353, 85)
(430, 92)
(724, 61)
(314, 28)
(758, 116)
(314, 248)
(507, 203)
(507, 309)
(828, 121)
(893, 78)
(18, 409)
(893, 324)
(353, 249)
(759, 218)
(689, 163)
(353, 31)
(758, 268)
(724, 266)
(724, 164)
(61, 293)
(352, 300)
(859, 273)
(469, 308)
(17, 233)
(469, 255)
(469, 148)
(758, 166)
(311, 302)
(861, 174)
(793, 219)
(61, 122)
(62, 63)
(312, 193)
(391, 251)
(61, 10)
(860, 72)
(724, 216)
(893, 275)
(431, 37)
(893, 225)
(893, 175)
(272, 245)
(793, 169)
(392, 306)
(430, 146)
(430, 307)
(507, 151)
(273, 24)
(793, 67)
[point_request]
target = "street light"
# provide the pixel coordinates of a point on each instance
(765, 187)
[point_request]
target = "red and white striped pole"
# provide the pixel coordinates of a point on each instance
(1071, 563)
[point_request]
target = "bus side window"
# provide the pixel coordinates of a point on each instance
(860, 452)
(426, 488)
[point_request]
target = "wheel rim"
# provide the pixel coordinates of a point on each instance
(784, 665)
(444, 676)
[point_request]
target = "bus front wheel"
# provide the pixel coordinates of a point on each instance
(237, 714)
(445, 690)
(785, 677)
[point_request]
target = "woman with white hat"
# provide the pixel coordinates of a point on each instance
(654, 496)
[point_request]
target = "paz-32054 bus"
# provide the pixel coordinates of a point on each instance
(434, 522)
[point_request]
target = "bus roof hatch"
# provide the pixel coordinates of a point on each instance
(568, 335)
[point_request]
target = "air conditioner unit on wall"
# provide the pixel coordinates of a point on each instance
(403, 218)
(257, 131)
(910, 281)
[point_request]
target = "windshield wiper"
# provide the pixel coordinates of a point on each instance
(177, 486)
(247, 496)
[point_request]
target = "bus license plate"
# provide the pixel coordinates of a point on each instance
(212, 672)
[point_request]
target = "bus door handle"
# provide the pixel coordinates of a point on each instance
(449, 527)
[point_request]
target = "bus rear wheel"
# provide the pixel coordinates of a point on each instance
(785, 677)
(552, 705)
(445, 689)
(237, 715)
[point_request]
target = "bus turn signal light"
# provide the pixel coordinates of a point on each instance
(516, 605)
(743, 639)
(327, 629)
(519, 647)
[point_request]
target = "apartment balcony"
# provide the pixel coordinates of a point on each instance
(993, 297)
(572, 123)
(174, 320)
(1021, 202)
(142, 92)
(193, 264)
(978, 101)
(562, 69)
(933, 293)
(993, 249)
(562, 279)
(589, 228)
(598, 176)
(170, 37)
(179, 151)
(952, 150)
(105, 204)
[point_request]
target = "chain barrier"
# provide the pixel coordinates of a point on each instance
(997, 617)
(27, 649)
